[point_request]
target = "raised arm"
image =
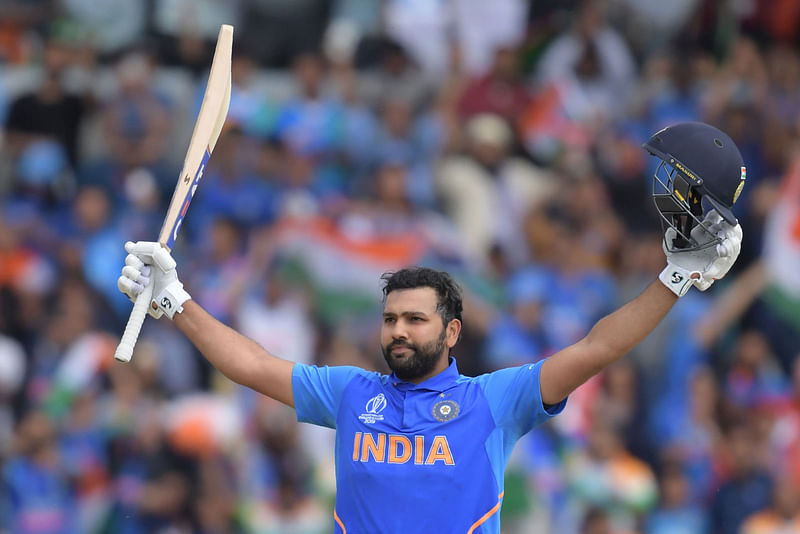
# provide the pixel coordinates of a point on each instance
(234, 355)
(616, 334)
(610, 339)
(238, 357)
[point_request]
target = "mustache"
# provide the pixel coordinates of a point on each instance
(403, 344)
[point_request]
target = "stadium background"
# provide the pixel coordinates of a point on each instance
(499, 140)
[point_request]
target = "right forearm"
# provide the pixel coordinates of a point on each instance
(236, 356)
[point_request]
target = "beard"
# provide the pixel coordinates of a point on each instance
(419, 363)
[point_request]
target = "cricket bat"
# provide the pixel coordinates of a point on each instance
(206, 131)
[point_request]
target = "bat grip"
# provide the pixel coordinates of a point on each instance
(138, 313)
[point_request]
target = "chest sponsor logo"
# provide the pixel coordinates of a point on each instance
(401, 449)
(445, 410)
(373, 409)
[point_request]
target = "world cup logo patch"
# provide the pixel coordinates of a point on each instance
(445, 410)
(373, 409)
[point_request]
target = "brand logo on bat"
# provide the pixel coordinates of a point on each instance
(189, 195)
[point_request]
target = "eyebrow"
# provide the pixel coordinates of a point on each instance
(406, 314)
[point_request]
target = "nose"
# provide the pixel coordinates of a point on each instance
(398, 332)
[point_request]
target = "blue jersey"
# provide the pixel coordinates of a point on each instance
(423, 457)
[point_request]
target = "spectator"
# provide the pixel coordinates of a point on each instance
(594, 66)
(50, 112)
(278, 316)
(395, 77)
(606, 475)
(37, 496)
(677, 511)
(232, 187)
(488, 191)
(500, 90)
(755, 376)
(785, 433)
(482, 29)
(406, 21)
(414, 141)
(517, 336)
(109, 29)
(219, 271)
(699, 443)
(747, 489)
(784, 514)
(135, 124)
(12, 375)
(86, 237)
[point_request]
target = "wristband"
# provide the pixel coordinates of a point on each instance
(171, 299)
(678, 279)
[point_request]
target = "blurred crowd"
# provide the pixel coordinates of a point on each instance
(499, 140)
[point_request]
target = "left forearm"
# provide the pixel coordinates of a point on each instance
(610, 339)
(617, 333)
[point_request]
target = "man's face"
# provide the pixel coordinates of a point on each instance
(413, 338)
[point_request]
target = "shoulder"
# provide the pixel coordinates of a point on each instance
(339, 372)
(504, 378)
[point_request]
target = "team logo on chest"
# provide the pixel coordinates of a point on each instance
(445, 410)
(373, 409)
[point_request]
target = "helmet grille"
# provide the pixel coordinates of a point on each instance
(680, 207)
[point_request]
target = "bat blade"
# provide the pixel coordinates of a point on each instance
(207, 128)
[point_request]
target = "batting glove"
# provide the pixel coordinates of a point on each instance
(148, 262)
(700, 268)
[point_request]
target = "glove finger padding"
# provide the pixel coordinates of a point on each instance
(135, 276)
(130, 288)
(727, 253)
(150, 252)
(132, 260)
(137, 281)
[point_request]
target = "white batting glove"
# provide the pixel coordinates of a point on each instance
(700, 268)
(148, 262)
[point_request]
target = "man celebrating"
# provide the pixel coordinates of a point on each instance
(424, 448)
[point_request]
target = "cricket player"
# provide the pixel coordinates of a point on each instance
(423, 449)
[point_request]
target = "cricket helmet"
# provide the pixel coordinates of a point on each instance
(700, 169)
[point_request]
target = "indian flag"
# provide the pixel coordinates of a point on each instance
(343, 267)
(782, 247)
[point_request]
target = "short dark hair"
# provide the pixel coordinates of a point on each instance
(448, 292)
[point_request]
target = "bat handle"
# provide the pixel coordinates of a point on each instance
(125, 348)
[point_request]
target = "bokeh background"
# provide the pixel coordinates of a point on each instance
(499, 140)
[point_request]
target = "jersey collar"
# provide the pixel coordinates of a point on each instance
(441, 382)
